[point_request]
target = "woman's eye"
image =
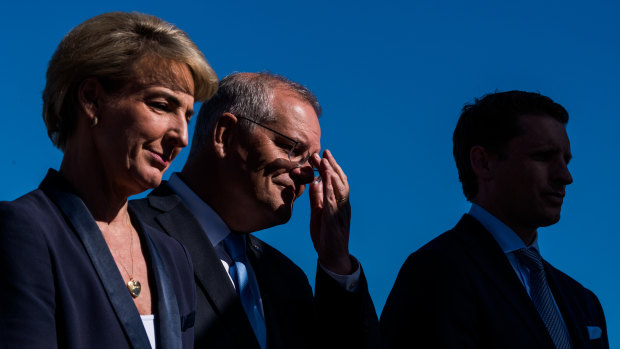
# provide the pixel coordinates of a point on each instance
(159, 105)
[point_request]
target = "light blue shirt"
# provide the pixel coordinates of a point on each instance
(509, 242)
(217, 230)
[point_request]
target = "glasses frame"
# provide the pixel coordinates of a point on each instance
(302, 162)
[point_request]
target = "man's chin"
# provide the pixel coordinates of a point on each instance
(283, 213)
(549, 219)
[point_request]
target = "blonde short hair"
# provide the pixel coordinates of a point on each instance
(107, 47)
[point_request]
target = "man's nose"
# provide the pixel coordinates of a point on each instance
(563, 174)
(303, 174)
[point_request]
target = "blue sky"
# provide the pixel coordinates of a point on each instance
(392, 79)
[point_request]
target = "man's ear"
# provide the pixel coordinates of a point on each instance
(90, 93)
(479, 159)
(224, 134)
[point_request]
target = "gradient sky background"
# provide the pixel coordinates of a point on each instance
(392, 79)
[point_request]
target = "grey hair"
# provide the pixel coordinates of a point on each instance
(247, 95)
(107, 47)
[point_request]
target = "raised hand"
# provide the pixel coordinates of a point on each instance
(330, 216)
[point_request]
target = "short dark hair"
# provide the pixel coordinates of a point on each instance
(247, 95)
(491, 122)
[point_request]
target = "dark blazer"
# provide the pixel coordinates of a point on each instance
(60, 287)
(460, 291)
(294, 318)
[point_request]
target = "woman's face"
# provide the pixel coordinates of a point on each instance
(143, 127)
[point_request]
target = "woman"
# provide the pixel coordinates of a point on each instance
(76, 270)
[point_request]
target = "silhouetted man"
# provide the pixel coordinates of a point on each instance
(254, 149)
(483, 284)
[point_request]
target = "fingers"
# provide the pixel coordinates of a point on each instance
(330, 225)
(336, 183)
(328, 188)
(316, 194)
(332, 161)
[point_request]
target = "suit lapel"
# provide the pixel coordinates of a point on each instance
(211, 277)
(488, 256)
(88, 232)
(269, 293)
(573, 319)
(168, 316)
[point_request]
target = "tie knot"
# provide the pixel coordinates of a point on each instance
(530, 257)
(234, 244)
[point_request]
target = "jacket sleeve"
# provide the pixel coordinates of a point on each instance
(27, 299)
(430, 306)
(345, 319)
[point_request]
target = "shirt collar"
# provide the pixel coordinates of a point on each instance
(507, 239)
(209, 220)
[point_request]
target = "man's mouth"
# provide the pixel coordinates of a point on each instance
(556, 197)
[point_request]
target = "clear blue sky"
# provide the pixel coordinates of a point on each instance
(392, 79)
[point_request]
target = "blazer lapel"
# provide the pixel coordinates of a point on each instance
(178, 222)
(488, 256)
(573, 319)
(168, 316)
(269, 294)
(87, 230)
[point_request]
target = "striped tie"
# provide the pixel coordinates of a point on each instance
(543, 299)
(234, 244)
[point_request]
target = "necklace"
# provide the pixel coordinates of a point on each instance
(133, 286)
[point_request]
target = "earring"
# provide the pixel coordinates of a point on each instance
(94, 121)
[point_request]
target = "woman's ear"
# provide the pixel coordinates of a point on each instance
(89, 97)
(224, 134)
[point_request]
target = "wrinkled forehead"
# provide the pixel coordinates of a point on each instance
(156, 71)
(296, 117)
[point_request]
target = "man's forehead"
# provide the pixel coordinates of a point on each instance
(286, 99)
(541, 130)
(295, 115)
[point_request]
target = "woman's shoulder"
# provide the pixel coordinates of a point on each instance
(29, 208)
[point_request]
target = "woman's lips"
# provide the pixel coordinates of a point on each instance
(161, 159)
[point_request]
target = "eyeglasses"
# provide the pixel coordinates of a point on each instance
(298, 160)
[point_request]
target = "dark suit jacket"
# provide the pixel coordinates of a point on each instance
(460, 291)
(60, 287)
(294, 318)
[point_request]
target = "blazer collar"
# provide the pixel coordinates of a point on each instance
(573, 317)
(211, 277)
(58, 190)
(168, 315)
(482, 248)
(270, 285)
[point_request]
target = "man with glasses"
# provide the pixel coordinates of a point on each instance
(255, 148)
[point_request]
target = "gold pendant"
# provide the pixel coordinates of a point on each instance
(134, 287)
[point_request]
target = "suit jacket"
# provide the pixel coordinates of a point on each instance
(460, 291)
(60, 287)
(294, 318)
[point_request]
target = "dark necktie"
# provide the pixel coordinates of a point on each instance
(543, 299)
(234, 244)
